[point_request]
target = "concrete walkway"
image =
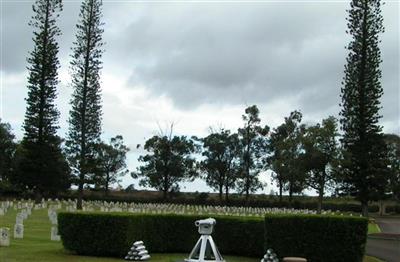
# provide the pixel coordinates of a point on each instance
(385, 245)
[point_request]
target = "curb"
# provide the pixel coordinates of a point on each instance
(384, 236)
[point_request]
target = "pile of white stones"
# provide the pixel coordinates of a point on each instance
(270, 256)
(138, 252)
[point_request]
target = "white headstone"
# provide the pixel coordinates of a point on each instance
(19, 231)
(54, 234)
(4, 237)
(24, 213)
(19, 219)
(53, 219)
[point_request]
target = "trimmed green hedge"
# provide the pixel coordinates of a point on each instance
(112, 234)
(318, 238)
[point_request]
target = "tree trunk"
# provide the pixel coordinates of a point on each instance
(226, 195)
(364, 208)
(38, 196)
(221, 189)
(107, 181)
(320, 198)
(80, 193)
(247, 185)
(280, 192)
(165, 194)
(382, 208)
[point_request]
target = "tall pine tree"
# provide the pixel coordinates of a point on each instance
(364, 165)
(85, 115)
(41, 165)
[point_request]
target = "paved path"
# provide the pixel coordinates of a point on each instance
(389, 225)
(385, 245)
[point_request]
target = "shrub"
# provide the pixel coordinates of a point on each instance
(317, 238)
(94, 234)
(393, 209)
(111, 234)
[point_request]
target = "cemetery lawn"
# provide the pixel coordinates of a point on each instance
(37, 246)
(373, 228)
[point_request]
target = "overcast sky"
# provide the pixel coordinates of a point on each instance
(200, 64)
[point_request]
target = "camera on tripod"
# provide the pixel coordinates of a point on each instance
(206, 226)
(205, 249)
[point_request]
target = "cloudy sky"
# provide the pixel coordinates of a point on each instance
(200, 63)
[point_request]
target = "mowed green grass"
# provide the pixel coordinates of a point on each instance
(37, 246)
(373, 228)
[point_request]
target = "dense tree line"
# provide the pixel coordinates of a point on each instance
(359, 161)
(298, 156)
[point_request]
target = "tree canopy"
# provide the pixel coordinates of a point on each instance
(169, 161)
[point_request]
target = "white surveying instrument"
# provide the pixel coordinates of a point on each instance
(205, 248)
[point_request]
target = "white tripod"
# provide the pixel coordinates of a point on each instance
(205, 248)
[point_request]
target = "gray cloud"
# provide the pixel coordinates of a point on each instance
(237, 53)
(17, 34)
(200, 54)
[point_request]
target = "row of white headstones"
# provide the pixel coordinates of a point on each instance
(25, 210)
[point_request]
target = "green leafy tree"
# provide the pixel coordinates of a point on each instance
(221, 163)
(41, 166)
(110, 162)
(7, 151)
(276, 159)
(85, 115)
(293, 153)
(320, 156)
(285, 160)
(393, 155)
(365, 169)
(252, 143)
(169, 161)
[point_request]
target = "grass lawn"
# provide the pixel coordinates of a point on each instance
(37, 246)
(373, 228)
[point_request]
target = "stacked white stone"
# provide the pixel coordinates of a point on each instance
(270, 256)
(138, 252)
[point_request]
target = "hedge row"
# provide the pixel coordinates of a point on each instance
(318, 238)
(112, 234)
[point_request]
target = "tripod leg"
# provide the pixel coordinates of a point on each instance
(215, 250)
(194, 250)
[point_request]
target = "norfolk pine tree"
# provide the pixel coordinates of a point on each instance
(41, 166)
(85, 115)
(364, 148)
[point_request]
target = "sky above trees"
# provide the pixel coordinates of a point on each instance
(201, 64)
